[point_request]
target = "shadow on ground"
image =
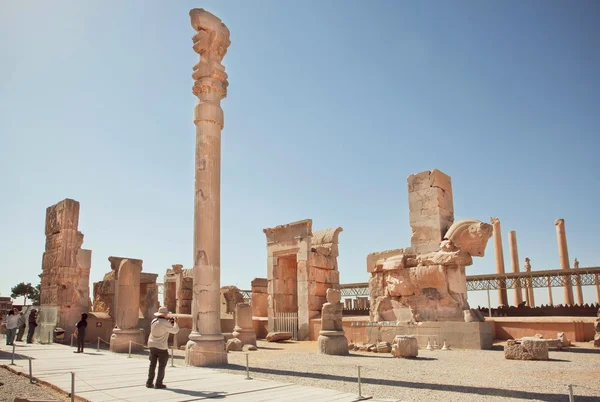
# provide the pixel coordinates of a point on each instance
(483, 391)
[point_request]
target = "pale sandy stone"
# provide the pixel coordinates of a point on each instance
(533, 349)
(207, 346)
(563, 256)
(470, 235)
(278, 336)
(331, 339)
(244, 330)
(405, 346)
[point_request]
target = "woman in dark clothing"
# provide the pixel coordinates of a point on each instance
(81, 326)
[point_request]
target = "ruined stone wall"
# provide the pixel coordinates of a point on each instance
(63, 280)
(427, 281)
(260, 296)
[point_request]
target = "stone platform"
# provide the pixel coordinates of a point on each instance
(106, 376)
(458, 335)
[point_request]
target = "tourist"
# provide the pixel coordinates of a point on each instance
(32, 325)
(161, 327)
(21, 327)
(80, 333)
(12, 323)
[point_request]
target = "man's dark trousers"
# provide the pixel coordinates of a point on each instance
(30, 332)
(163, 357)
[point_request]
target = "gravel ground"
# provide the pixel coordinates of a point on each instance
(14, 385)
(455, 375)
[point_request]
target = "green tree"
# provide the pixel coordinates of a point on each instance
(25, 290)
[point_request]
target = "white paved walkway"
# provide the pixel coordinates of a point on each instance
(105, 376)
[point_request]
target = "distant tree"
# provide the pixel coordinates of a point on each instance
(25, 290)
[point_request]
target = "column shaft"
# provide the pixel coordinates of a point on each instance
(550, 301)
(499, 253)
(514, 260)
(563, 256)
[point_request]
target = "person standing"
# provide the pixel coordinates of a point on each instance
(158, 340)
(12, 323)
(32, 324)
(80, 332)
(21, 327)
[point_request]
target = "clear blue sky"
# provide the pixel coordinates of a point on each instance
(331, 106)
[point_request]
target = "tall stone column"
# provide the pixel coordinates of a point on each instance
(563, 256)
(499, 253)
(514, 262)
(127, 296)
(529, 284)
(578, 284)
(550, 301)
(206, 346)
(597, 281)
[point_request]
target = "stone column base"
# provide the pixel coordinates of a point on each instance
(332, 343)
(205, 353)
(247, 336)
(119, 341)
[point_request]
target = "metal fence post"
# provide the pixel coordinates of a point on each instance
(571, 397)
(98, 348)
(359, 385)
(72, 338)
(129, 355)
(12, 360)
(247, 369)
(172, 357)
(72, 386)
(30, 372)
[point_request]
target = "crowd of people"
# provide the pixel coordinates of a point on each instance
(16, 325)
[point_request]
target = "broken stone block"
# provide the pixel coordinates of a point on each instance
(279, 336)
(247, 348)
(405, 346)
(234, 345)
(531, 349)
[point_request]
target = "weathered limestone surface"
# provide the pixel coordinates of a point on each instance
(431, 209)
(260, 297)
(528, 285)
(563, 256)
(301, 266)
(234, 345)
(514, 262)
(127, 300)
(499, 254)
(533, 349)
(427, 281)
(65, 268)
(243, 324)
(206, 346)
(578, 284)
(278, 336)
(331, 339)
(405, 346)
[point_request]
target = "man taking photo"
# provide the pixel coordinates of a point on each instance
(161, 327)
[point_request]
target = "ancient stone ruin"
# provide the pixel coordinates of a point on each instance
(206, 345)
(116, 299)
(427, 282)
(65, 269)
(331, 337)
(301, 266)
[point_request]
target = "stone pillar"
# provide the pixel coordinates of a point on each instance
(578, 284)
(84, 261)
(243, 324)
(550, 301)
(499, 253)
(206, 346)
(563, 256)
(431, 209)
(597, 288)
(514, 262)
(178, 270)
(529, 284)
(127, 300)
(331, 336)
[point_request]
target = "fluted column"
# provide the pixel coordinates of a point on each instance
(563, 256)
(499, 253)
(529, 284)
(514, 262)
(578, 284)
(206, 346)
(550, 301)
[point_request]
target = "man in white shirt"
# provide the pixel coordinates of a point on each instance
(159, 347)
(12, 323)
